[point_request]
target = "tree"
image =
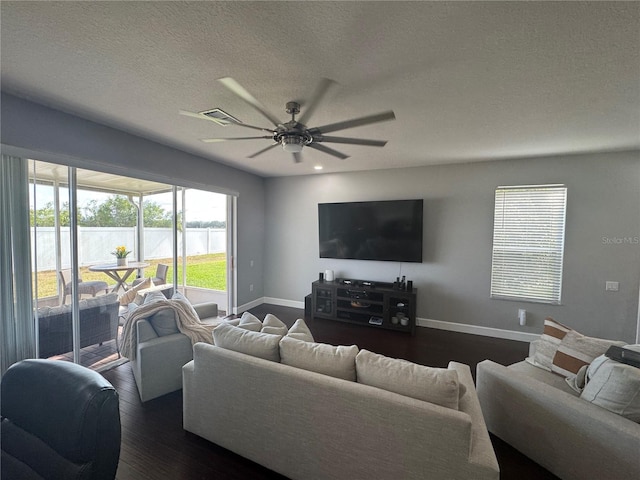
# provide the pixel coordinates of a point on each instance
(155, 215)
(45, 216)
(116, 211)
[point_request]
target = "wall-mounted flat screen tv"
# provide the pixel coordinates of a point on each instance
(381, 230)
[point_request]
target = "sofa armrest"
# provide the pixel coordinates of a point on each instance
(144, 331)
(533, 347)
(157, 367)
(206, 310)
(481, 453)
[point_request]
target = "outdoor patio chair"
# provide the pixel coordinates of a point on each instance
(159, 279)
(84, 288)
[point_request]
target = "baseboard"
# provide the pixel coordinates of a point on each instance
(477, 330)
(283, 303)
(422, 322)
(254, 303)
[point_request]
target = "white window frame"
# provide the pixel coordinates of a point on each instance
(528, 243)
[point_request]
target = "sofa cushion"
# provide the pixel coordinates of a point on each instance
(334, 361)
(257, 344)
(550, 340)
(614, 386)
(577, 350)
(272, 324)
(300, 331)
(434, 385)
(182, 299)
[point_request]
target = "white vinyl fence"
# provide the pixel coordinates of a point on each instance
(95, 244)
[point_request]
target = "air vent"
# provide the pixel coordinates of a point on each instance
(220, 117)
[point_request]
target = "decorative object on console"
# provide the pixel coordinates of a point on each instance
(328, 275)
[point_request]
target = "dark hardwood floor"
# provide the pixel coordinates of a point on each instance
(154, 445)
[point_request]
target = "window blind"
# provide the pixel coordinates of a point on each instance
(528, 243)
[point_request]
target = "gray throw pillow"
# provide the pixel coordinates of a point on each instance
(164, 322)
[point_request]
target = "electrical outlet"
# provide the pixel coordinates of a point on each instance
(251, 287)
(611, 286)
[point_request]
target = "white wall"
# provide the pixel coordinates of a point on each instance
(454, 279)
(30, 129)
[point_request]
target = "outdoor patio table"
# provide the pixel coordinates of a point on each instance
(119, 273)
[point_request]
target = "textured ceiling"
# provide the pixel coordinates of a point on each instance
(468, 81)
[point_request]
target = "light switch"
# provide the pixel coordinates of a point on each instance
(611, 286)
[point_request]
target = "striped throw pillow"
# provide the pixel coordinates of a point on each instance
(549, 342)
(577, 350)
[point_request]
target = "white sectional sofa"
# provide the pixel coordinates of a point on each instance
(538, 413)
(308, 425)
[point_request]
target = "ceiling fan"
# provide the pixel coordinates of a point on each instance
(294, 134)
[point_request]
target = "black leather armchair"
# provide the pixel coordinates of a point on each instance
(59, 421)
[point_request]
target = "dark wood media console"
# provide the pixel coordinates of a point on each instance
(363, 302)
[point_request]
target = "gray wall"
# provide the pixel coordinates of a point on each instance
(454, 279)
(50, 135)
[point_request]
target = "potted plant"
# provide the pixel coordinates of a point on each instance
(121, 255)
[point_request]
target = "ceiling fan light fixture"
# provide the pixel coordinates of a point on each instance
(292, 143)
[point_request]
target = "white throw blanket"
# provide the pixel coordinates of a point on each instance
(187, 321)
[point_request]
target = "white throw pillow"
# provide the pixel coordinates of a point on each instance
(339, 362)
(273, 325)
(153, 297)
(130, 295)
(434, 385)
(300, 331)
(256, 344)
(248, 321)
(614, 386)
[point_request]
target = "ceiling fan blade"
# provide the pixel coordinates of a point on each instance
(297, 157)
(328, 150)
(356, 122)
(241, 92)
(187, 113)
(260, 152)
(321, 90)
(216, 140)
(351, 141)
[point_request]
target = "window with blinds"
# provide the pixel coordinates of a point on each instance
(528, 243)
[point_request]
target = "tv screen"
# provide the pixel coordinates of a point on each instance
(382, 230)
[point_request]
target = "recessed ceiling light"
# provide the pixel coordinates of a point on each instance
(318, 167)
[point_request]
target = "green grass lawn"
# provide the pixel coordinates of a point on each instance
(205, 271)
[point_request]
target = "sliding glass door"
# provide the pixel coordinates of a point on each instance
(80, 218)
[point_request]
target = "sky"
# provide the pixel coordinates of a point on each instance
(201, 205)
